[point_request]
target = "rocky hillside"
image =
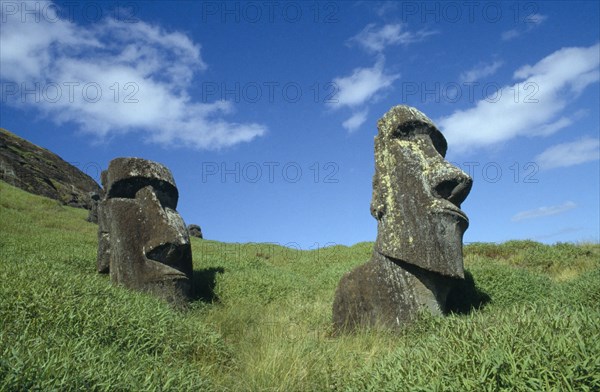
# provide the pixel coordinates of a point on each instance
(41, 172)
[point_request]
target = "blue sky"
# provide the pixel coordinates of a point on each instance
(266, 111)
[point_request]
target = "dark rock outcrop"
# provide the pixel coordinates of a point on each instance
(41, 172)
(417, 258)
(142, 240)
(195, 231)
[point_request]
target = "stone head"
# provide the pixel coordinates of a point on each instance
(417, 194)
(149, 244)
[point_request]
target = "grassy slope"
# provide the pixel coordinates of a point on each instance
(262, 320)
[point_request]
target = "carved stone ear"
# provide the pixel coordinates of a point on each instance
(378, 199)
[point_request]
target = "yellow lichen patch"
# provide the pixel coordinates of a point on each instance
(389, 162)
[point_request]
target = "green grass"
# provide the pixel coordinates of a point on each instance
(263, 318)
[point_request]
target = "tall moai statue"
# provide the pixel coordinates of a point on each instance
(142, 240)
(417, 257)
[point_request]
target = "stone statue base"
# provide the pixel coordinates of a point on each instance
(177, 291)
(387, 293)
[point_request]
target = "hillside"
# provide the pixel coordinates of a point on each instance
(262, 320)
(41, 172)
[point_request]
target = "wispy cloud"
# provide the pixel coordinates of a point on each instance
(563, 231)
(570, 154)
(355, 121)
(480, 71)
(531, 22)
(544, 211)
(386, 8)
(365, 85)
(116, 77)
(551, 85)
(510, 34)
(362, 84)
(375, 39)
(357, 90)
(535, 19)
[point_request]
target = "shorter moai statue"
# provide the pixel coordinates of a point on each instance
(95, 198)
(417, 257)
(142, 240)
(195, 231)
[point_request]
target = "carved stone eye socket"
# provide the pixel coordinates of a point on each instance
(169, 253)
(164, 198)
(410, 129)
(127, 189)
(405, 131)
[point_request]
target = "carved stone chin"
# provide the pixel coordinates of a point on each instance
(143, 242)
(416, 201)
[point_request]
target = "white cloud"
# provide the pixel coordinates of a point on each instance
(363, 84)
(115, 77)
(549, 129)
(510, 34)
(545, 89)
(386, 8)
(536, 19)
(530, 21)
(375, 39)
(544, 211)
(480, 71)
(355, 121)
(570, 154)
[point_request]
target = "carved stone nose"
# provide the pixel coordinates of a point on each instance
(455, 189)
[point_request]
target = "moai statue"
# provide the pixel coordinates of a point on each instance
(94, 198)
(142, 240)
(195, 231)
(417, 257)
(103, 256)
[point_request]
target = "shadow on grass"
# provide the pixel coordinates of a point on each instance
(466, 297)
(204, 284)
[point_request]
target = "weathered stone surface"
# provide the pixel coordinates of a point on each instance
(417, 257)
(95, 200)
(388, 293)
(142, 240)
(195, 231)
(103, 256)
(41, 172)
